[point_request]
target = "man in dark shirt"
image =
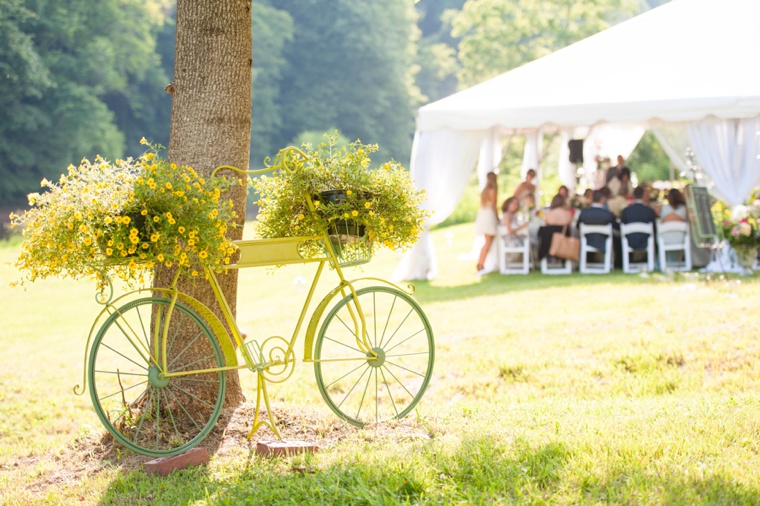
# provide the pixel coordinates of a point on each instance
(638, 212)
(597, 214)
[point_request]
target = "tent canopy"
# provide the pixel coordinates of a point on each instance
(686, 69)
(681, 61)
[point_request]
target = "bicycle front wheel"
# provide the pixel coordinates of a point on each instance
(361, 387)
(146, 412)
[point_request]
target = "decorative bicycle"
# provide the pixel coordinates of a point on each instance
(157, 357)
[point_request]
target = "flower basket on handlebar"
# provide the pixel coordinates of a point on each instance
(335, 189)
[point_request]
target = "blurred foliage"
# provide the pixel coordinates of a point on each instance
(649, 161)
(498, 36)
(86, 77)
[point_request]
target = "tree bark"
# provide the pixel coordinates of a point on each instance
(211, 118)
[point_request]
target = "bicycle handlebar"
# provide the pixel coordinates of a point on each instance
(281, 161)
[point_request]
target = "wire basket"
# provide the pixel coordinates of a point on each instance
(349, 242)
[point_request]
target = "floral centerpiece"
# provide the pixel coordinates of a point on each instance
(123, 218)
(349, 198)
(740, 229)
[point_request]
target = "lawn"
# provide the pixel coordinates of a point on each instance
(622, 389)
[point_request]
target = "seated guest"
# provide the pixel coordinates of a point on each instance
(587, 198)
(621, 184)
(638, 212)
(563, 192)
(597, 215)
(675, 209)
(526, 190)
(511, 222)
(557, 213)
(616, 204)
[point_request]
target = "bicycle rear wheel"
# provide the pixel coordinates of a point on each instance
(145, 412)
(362, 389)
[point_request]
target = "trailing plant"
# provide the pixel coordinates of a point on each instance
(123, 218)
(381, 201)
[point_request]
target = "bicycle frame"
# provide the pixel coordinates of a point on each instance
(253, 253)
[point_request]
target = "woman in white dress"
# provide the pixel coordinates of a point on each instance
(487, 219)
(674, 210)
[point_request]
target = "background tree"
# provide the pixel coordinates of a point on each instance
(498, 36)
(211, 117)
(350, 66)
(62, 62)
(272, 30)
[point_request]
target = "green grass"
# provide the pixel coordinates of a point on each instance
(617, 389)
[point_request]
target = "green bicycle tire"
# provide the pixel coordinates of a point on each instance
(153, 416)
(398, 330)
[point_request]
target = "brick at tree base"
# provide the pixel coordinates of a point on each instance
(166, 465)
(284, 448)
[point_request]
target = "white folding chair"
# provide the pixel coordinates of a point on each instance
(676, 233)
(637, 228)
(586, 267)
(552, 265)
(506, 264)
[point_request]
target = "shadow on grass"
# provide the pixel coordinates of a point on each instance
(478, 470)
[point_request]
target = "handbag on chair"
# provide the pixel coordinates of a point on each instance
(564, 246)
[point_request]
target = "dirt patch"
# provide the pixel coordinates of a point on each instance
(98, 451)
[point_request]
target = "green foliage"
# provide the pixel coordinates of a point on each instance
(498, 36)
(272, 31)
(648, 160)
(69, 59)
(349, 66)
(381, 200)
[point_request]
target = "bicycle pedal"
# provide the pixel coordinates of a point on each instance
(256, 356)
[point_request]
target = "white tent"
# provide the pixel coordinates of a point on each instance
(687, 70)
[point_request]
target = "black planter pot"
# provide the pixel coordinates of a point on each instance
(332, 196)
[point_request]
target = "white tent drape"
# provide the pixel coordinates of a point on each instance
(440, 173)
(490, 156)
(728, 150)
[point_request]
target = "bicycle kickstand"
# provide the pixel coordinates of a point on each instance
(261, 390)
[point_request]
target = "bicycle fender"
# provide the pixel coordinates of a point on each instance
(316, 316)
(225, 342)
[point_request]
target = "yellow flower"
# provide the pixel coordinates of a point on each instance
(143, 141)
(156, 218)
(168, 185)
(194, 274)
(345, 215)
(108, 220)
(203, 254)
(144, 212)
(354, 213)
(168, 263)
(154, 237)
(349, 192)
(160, 257)
(181, 230)
(316, 203)
(87, 241)
(367, 204)
(125, 220)
(300, 216)
(109, 252)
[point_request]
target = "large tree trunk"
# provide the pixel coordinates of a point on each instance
(211, 117)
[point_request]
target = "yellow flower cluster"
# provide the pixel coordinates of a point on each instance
(122, 218)
(382, 201)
